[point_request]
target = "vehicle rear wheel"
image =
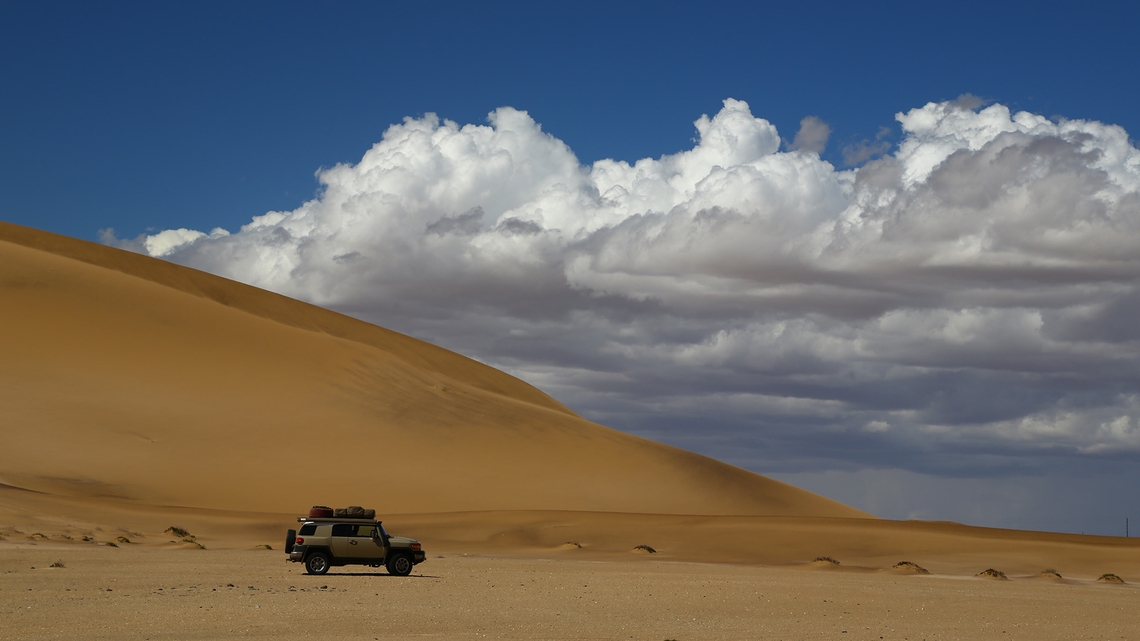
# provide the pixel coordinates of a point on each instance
(317, 563)
(290, 540)
(400, 565)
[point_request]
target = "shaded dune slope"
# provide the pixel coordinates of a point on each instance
(134, 379)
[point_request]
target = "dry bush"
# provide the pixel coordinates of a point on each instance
(993, 574)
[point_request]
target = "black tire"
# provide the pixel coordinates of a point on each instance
(400, 565)
(317, 563)
(290, 539)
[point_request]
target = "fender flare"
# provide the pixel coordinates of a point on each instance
(320, 548)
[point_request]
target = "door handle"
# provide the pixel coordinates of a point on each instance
(351, 542)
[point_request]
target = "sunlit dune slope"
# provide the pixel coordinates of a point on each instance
(130, 377)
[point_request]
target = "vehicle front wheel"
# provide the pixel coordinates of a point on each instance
(317, 563)
(400, 565)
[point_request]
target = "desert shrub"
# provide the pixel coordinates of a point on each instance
(176, 531)
(88, 539)
(992, 573)
(645, 547)
(112, 544)
(123, 539)
(58, 564)
(913, 567)
(825, 559)
(266, 546)
(1110, 578)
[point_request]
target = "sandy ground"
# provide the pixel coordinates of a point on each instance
(559, 576)
(149, 593)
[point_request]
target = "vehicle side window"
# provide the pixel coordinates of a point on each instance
(363, 530)
(308, 529)
(343, 529)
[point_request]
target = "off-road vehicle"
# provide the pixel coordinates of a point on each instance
(327, 541)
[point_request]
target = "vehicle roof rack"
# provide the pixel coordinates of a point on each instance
(335, 519)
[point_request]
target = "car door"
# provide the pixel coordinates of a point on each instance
(340, 541)
(365, 546)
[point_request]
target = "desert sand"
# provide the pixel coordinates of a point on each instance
(145, 594)
(136, 394)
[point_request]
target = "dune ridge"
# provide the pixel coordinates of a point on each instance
(128, 378)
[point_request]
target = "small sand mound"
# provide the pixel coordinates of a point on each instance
(644, 549)
(1048, 573)
(910, 568)
(1110, 578)
(570, 545)
(992, 574)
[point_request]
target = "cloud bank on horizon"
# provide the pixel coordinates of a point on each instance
(979, 285)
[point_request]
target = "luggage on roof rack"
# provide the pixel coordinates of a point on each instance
(354, 512)
(350, 512)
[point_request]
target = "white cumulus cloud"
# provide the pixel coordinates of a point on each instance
(979, 284)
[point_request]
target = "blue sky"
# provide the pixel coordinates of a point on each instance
(943, 332)
(155, 115)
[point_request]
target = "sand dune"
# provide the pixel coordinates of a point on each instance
(130, 378)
